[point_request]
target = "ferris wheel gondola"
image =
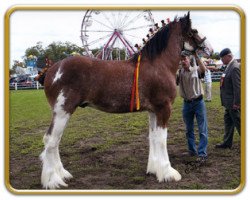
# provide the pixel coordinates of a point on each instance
(110, 35)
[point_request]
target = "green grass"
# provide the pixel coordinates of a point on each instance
(28, 106)
(29, 119)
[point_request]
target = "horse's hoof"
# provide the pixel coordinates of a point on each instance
(65, 175)
(169, 175)
(53, 182)
(173, 175)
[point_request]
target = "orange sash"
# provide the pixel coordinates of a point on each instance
(135, 88)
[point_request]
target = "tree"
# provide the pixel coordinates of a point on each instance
(36, 50)
(58, 50)
(55, 51)
(16, 67)
(215, 56)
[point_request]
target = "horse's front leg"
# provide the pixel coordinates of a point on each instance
(158, 161)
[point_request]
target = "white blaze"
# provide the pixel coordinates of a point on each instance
(58, 75)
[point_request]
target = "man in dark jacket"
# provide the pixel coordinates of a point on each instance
(230, 97)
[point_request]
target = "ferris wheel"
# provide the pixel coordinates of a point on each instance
(111, 35)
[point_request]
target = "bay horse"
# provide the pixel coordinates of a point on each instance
(81, 81)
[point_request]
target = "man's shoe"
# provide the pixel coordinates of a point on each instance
(189, 153)
(192, 154)
(222, 146)
(201, 159)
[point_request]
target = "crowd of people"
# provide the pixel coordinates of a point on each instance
(190, 76)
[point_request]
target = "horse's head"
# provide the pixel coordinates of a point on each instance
(193, 41)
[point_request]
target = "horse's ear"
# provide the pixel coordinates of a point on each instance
(188, 15)
(186, 23)
(188, 19)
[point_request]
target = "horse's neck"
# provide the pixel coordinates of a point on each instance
(171, 55)
(168, 59)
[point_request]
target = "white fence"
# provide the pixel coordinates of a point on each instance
(216, 76)
(24, 86)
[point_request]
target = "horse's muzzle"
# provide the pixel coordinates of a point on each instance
(204, 48)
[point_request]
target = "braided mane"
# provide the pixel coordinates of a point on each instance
(157, 44)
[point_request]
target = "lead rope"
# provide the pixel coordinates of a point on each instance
(135, 88)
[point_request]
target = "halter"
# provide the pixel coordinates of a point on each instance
(200, 44)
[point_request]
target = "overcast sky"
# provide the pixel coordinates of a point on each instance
(222, 28)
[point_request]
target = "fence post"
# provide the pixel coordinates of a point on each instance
(15, 86)
(37, 85)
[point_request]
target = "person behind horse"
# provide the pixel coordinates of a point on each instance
(190, 88)
(208, 84)
(230, 97)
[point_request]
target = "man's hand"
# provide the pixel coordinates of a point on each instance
(200, 63)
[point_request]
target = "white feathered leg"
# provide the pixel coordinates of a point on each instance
(158, 162)
(53, 173)
(151, 168)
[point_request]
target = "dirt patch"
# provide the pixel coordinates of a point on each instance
(123, 166)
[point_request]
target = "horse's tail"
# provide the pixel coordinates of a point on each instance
(41, 76)
(45, 63)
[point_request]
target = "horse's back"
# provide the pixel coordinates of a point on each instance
(67, 69)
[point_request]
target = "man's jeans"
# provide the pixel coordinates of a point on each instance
(196, 109)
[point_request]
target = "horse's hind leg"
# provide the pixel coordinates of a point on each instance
(53, 173)
(158, 161)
